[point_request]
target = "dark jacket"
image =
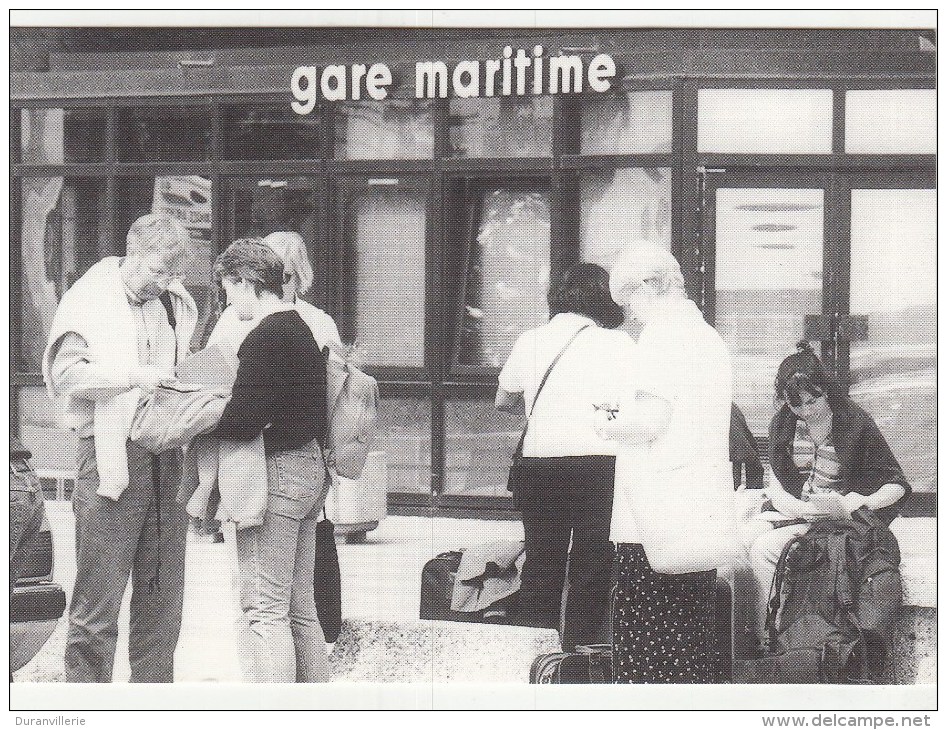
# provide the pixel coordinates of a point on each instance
(866, 461)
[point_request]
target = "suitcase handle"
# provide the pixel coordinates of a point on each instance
(593, 648)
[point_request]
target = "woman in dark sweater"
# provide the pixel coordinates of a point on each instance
(280, 391)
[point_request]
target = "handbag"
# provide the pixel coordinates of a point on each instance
(519, 469)
(327, 581)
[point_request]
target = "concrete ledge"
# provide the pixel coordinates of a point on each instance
(917, 538)
(438, 651)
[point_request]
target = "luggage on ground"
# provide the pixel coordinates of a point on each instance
(586, 665)
(833, 605)
(437, 588)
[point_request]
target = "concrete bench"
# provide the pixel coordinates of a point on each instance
(415, 650)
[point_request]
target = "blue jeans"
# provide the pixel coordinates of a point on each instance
(281, 639)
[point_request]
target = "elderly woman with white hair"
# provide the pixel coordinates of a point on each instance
(664, 628)
(290, 247)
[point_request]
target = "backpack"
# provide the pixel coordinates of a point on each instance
(833, 604)
(351, 416)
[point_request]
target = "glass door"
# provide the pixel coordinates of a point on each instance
(764, 258)
(891, 358)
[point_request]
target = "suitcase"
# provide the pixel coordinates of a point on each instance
(437, 587)
(586, 665)
(594, 664)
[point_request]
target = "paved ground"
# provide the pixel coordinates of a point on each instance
(380, 584)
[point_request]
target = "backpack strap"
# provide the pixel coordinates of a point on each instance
(776, 590)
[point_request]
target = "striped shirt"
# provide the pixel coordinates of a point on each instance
(818, 462)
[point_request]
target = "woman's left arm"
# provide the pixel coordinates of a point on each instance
(642, 424)
(886, 496)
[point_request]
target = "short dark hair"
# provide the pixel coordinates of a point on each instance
(249, 259)
(583, 289)
(803, 372)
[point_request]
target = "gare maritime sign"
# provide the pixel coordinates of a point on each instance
(518, 73)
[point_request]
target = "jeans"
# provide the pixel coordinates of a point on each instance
(138, 534)
(280, 638)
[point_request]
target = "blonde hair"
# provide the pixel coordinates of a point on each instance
(157, 233)
(640, 262)
(291, 249)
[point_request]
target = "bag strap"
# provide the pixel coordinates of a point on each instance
(776, 589)
(555, 360)
(172, 320)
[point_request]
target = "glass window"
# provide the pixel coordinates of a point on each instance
(366, 130)
(271, 132)
(260, 206)
(188, 199)
(405, 436)
(892, 121)
(383, 277)
(479, 444)
(622, 207)
(164, 134)
(501, 127)
(634, 122)
(894, 282)
(61, 236)
(505, 272)
(768, 277)
(765, 121)
(53, 136)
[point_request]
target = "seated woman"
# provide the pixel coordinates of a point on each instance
(829, 460)
(280, 391)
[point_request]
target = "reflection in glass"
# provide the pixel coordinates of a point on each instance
(404, 433)
(391, 129)
(507, 274)
(620, 208)
(765, 121)
(768, 277)
(894, 282)
(501, 127)
(479, 444)
(187, 198)
(61, 237)
(383, 278)
(53, 447)
(634, 122)
(892, 121)
(271, 132)
(53, 136)
(164, 134)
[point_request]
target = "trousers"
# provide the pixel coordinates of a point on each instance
(279, 634)
(589, 563)
(142, 535)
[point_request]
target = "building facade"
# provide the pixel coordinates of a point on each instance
(792, 172)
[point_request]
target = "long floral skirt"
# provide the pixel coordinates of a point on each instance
(664, 625)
